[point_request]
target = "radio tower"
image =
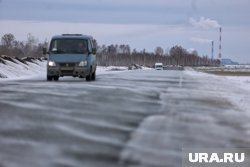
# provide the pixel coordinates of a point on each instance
(220, 44)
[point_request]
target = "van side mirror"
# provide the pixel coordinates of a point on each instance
(45, 51)
(94, 50)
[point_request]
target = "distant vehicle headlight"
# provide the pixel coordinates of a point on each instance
(51, 63)
(83, 63)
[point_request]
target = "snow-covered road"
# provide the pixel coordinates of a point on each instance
(140, 118)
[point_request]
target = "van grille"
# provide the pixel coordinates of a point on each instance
(67, 64)
(67, 71)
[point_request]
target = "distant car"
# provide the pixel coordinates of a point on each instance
(158, 66)
(71, 55)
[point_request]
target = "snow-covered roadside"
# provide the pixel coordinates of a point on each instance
(242, 99)
(10, 70)
(206, 111)
(14, 69)
(17, 69)
(241, 81)
(115, 69)
(231, 68)
(104, 70)
(234, 87)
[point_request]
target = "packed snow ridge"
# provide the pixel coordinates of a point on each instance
(16, 67)
(13, 68)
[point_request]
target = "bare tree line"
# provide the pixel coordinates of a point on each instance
(13, 48)
(115, 55)
(120, 55)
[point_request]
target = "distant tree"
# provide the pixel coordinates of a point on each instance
(7, 43)
(31, 40)
(18, 49)
(31, 47)
(177, 51)
(112, 49)
(8, 40)
(159, 51)
(134, 51)
(124, 49)
(178, 54)
(194, 52)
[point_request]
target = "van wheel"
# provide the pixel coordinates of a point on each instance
(88, 77)
(56, 78)
(49, 78)
(93, 76)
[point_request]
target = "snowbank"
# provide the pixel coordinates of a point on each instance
(110, 68)
(240, 81)
(231, 68)
(15, 68)
(233, 85)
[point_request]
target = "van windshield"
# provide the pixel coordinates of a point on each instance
(63, 46)
(158, 66)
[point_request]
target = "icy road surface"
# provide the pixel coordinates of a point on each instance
(124, 119)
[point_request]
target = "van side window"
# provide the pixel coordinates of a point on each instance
(94, 43)
(89, 46)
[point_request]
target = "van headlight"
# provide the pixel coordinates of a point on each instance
(83, 64)
(51, 63)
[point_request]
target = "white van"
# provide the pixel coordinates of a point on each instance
(158, 66)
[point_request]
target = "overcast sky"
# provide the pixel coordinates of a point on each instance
(147, 24)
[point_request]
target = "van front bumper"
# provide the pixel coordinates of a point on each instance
(67, 70)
